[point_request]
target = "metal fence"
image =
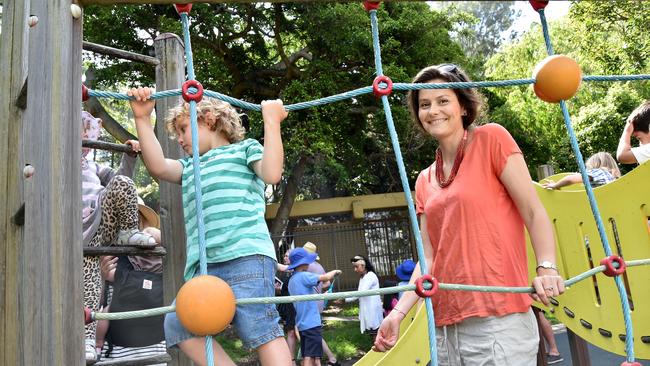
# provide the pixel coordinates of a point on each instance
(384, 237)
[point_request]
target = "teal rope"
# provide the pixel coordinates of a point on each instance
(381, 291)
(407, 190)
(198, 200)
(629, 332)
(361, 91)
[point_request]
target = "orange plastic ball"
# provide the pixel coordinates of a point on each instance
(557, 78)
(205, 305)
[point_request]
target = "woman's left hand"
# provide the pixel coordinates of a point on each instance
(548, 283)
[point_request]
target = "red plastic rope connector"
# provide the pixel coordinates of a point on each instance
(84, 93)
(197, 96)
(88, 318)
(371, 5)
(626, 363)
(419, 286)
(610, 270)
(538, 4)
(379, 92)
(183, 8)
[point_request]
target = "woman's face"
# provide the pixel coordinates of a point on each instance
(359, 268)
(440, 111)
(286, 258)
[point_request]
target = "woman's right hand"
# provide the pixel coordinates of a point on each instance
(388, 332)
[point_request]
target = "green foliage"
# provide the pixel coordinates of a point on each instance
(603, 44)
(289, 51)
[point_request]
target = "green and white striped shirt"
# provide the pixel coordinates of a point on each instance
(233, 205)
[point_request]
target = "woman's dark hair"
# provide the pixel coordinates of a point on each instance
(640, 117)
(369, 266)
(469, 99)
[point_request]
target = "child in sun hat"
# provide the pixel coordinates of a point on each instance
(308, 318)
(404, 272)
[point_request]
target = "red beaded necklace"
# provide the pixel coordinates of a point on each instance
(440, 175)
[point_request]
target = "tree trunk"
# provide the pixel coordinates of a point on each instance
(282, 217)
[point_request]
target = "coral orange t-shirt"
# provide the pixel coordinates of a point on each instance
(476, 231)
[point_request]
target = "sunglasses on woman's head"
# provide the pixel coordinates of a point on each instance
(452, 70)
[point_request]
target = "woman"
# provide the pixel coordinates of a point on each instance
(371, 312)
(473, 203)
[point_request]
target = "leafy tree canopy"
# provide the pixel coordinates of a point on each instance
(605, 39)
(299, 52)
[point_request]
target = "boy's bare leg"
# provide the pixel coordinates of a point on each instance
(194, 348)
(331, 357)
(274, 353)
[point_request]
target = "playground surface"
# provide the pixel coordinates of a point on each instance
(599, 357)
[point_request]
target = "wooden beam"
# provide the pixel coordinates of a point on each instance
(13, 72)
(109, 146)
(122, 250)
(115, 52)
(49, 262)
(354, 205)
(170, 74)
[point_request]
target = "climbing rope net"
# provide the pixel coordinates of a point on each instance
(192, 91)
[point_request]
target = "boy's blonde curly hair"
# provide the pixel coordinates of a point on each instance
(216, 114)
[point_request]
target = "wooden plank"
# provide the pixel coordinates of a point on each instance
(13, 72)
(141, 361)
(170, 74)
(116, 52)
(340, 205)
(49, 265)
(124, 250)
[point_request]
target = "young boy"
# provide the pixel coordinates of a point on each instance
(239, 249)
(637, 125)
(308, 318)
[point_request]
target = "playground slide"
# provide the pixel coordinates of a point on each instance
(591, 308)
(412, 348)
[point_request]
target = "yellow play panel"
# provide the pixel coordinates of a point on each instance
(591, 308)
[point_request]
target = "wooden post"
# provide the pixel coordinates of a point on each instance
(579, 349)
(41, 281)
(13, 72)
(170, 74)
(544, 170)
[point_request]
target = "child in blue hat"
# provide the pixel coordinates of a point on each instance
(308, 318)
(404, 272)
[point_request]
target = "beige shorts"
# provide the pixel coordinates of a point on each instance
(509, 340)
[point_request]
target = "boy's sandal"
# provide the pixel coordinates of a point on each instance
(135, 237)
(333, 363)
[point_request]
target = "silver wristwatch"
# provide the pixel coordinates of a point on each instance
(547, 265)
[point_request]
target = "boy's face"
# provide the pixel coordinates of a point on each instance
(184, 134)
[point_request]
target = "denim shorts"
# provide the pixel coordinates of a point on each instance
(256, 324)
